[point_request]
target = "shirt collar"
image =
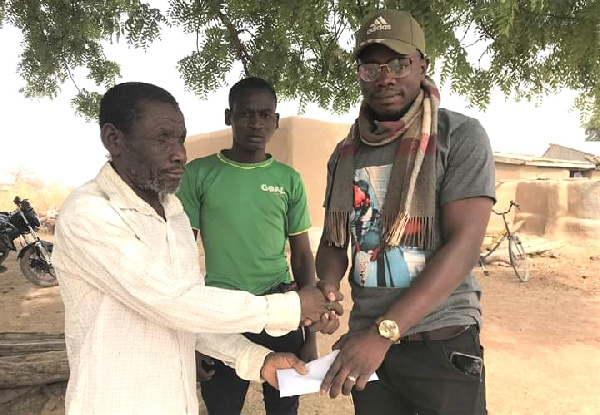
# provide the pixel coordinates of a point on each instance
(244, 166)
(121, 195)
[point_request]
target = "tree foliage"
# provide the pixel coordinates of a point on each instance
(526, 48)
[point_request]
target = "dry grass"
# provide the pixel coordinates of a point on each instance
(41, 198)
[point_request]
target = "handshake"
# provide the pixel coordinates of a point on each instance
(320, 307)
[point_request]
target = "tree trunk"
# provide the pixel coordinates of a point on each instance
(33, 369)
(12, 344)
(28, 359)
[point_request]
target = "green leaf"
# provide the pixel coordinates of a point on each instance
(87, 104)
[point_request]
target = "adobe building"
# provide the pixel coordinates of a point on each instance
(559, 193)
(556, 151)
(559, 198)
(520, 166)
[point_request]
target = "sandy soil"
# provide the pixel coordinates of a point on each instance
(542, 337)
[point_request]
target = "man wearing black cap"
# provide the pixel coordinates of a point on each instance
(429, 174)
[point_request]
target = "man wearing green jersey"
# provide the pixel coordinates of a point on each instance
(246, 205)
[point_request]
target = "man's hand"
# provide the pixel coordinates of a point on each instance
(201, 372)
(361, 354)
(275, 361)
(314, 304)
(309, 351)
(329, 322)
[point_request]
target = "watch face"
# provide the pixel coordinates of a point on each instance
(388, 328)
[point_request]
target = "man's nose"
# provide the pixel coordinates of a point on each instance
(256, 121)
(385, 77)
(178, 153)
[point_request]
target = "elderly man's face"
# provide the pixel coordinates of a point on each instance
(153, 155)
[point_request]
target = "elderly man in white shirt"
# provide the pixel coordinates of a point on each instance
(135, 299)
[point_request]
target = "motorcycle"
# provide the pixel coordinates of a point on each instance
(34, 257)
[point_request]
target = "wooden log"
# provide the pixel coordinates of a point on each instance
(12, 344)
(33, 369)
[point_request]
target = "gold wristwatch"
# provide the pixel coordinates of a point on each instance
(388, 329)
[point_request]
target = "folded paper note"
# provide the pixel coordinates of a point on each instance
(292, 383)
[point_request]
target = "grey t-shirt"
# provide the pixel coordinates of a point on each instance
(464, 169)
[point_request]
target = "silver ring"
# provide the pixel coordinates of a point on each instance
(351, 379)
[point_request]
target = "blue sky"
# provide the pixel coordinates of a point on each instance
(56, 145)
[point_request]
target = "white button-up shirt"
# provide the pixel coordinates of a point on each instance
(134, 298)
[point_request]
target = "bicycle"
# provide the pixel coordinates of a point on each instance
(516, 253)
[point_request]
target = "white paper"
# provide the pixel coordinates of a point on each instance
(292, 383)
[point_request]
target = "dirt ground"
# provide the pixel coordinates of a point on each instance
(542, 337)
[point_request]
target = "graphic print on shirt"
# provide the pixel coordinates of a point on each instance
(394, 267)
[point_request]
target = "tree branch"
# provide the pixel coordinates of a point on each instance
(465, 35)
(241, 52)
(43, 32)
(483, 54)
(198, 38)
(70, 75)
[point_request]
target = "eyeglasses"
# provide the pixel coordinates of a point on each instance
(397, 67)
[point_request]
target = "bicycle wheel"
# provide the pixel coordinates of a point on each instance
(518, 258)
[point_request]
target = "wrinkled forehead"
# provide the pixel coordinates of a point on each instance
(149, 110)
(156, 114)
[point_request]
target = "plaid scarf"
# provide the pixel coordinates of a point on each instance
(408, 214)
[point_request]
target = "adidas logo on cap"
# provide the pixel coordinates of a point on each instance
(379, 24)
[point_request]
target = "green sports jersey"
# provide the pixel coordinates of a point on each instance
(244, 212)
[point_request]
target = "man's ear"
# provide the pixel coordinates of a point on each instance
(112, 139)
(227, 117)
(276, 120)
(424, 65)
